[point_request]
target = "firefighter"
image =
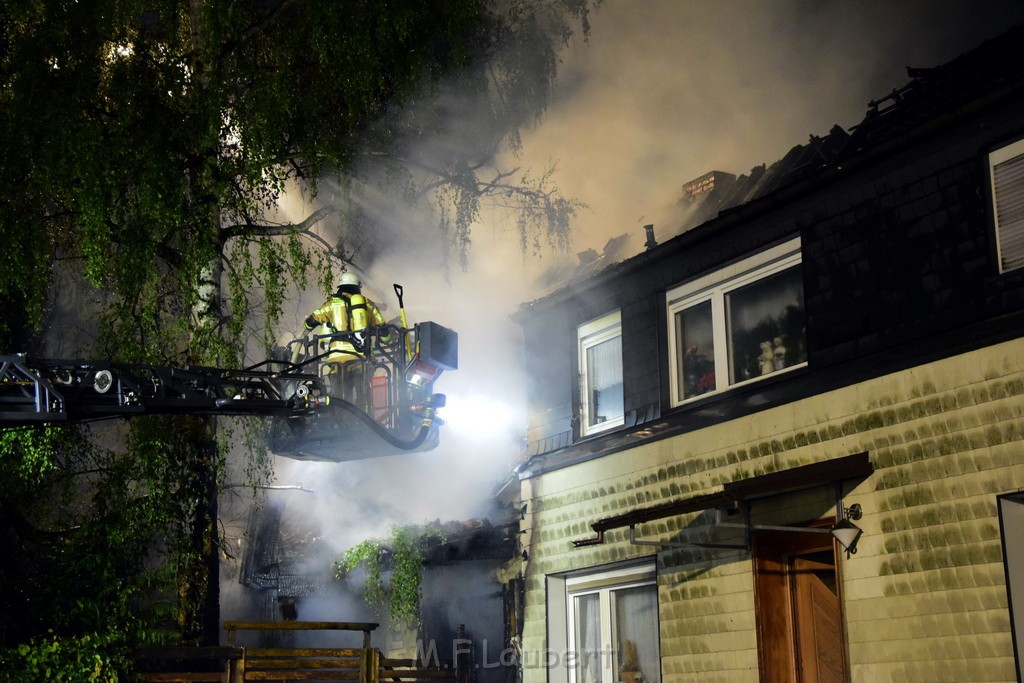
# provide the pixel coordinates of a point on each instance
(347, 311)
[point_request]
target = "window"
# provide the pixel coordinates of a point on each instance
(1006, 173)
(737, 325)
(600, 349)
(610, 630)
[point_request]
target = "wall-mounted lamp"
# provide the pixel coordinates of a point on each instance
(845, 531)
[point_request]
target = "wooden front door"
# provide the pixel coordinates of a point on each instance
(799, 611)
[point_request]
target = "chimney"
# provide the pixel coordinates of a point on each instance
(588, 256)
(651, 242)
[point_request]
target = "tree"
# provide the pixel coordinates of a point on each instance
(81, 526)
(146, 145)
(149, 140)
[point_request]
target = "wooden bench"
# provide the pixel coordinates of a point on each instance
(301, 663)
(184, 677)
(366, 627)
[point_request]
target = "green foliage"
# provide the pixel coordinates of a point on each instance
(251, 434)
(394, 570)
(101, 539)
(147, 144)
(32, 454)
(406, 573)
(369, 553)
(174, 486)
(90, 658)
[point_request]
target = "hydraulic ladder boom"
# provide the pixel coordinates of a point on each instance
(36, 391)
(318, 412)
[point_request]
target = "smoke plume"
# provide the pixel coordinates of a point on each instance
(662, 92)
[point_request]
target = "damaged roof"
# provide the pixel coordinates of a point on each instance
(933, 96)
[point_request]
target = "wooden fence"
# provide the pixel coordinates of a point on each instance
(233, 664)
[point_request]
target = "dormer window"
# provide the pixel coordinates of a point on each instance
(737, 325)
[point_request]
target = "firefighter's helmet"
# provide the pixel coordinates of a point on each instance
(349, 279)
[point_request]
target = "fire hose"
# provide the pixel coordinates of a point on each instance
(432, 402)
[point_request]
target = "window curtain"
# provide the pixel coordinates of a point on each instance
(604, 376)
(604, 364)
(588, 639)
(636, 621)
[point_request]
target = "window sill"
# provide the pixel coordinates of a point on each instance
(604, 428)
(738, 388)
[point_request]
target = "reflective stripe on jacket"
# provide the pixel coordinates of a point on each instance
(345, 313)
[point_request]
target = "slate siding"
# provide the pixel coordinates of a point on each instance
(904, 251)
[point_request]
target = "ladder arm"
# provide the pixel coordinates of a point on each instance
(35, 391)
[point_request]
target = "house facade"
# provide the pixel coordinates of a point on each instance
(840, 347)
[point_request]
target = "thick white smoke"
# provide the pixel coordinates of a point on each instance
(663, 92)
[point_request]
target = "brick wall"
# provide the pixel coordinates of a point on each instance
(924, 597)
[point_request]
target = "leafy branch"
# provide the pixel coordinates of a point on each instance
(399, 560)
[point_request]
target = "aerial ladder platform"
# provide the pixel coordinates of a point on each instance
(382, 405)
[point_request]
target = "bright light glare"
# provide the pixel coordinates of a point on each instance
(476, 416)
(121, 51)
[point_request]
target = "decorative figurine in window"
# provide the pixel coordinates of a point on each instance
(767, 358)
(779, 354)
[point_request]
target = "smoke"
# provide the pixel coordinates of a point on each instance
(662, 92)
(665, 91)
(485, 421)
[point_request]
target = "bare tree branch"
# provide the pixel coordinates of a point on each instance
(250, 228)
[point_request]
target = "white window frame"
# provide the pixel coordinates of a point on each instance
(603, 584)
(714, 287)
(1009, 223)
(589, 335)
